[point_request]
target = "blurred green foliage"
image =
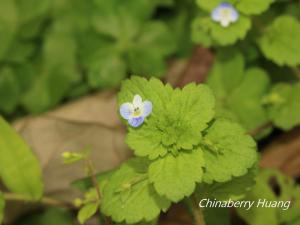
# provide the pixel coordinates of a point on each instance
(52, 50)
(271, 185)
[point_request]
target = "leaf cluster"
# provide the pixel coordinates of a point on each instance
(271, 26)
(179, 146)
(55, 50)
(247, 95)
(273, 186)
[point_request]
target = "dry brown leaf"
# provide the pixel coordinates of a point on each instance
(182, 72)
(284, 153)
(89, 122)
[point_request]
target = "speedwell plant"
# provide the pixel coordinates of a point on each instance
(182, 152)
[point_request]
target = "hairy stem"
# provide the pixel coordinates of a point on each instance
(197, 212)
(92, 174)
(8, 196)
(260, 128)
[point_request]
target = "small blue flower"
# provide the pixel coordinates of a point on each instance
(137, 111)
(225, 13)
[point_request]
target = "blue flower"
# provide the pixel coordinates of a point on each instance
(137, 111)
(225, 13)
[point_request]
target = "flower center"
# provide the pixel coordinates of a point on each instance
(225, 14)
(136, 112)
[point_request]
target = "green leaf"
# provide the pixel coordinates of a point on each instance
(216, 216)
(147, 54)
(246, 103)
(224, 145)
(49, 217)
(9, 90)
(8, 24)
(248, 7)
(234, 189)
(207, 32)
(253, 7)
(235, 100)
(129, 197)
(209, 5)
(86, 183)
(153, 222)
(177, 119)
(20, 52)
(263, 190)
(227, 72)
(106, 71)
(32, 9)
(87, 211)
(2, 205)
(19, 168)
(284, 105)
(176, 176)
(280, 41)
(115, 20)
(57, 72)
(293, 9)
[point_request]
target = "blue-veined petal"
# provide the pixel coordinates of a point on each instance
(225, 5)
(126, 110)
(234, 15)
(215, 15)
(147, 108)
(135, 122)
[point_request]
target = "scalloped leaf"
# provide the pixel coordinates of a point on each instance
(234, 189)
(248, 7)
(253, 7)
(146, 56)
(235, 100)
(246, 103)
(209, 5)
(228, 151)
(128, 196)
(280, 41)
(176, 176)
(227, 72)
(207, 32)
(288, 191)
(284, 109)
(177, 119)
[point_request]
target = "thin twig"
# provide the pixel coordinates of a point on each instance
(197, 212)
(45, 200)
(92, 174)
(260, 128)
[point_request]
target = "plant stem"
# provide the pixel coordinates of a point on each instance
(92, 174)
(197, 212)
(45, 200)
(260, 128)
(296, 71)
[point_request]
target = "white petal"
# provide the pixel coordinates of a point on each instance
(137, 101)
(147, 108)
(126, 110)
(234, 15)
(215, 15)
(225, 23)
